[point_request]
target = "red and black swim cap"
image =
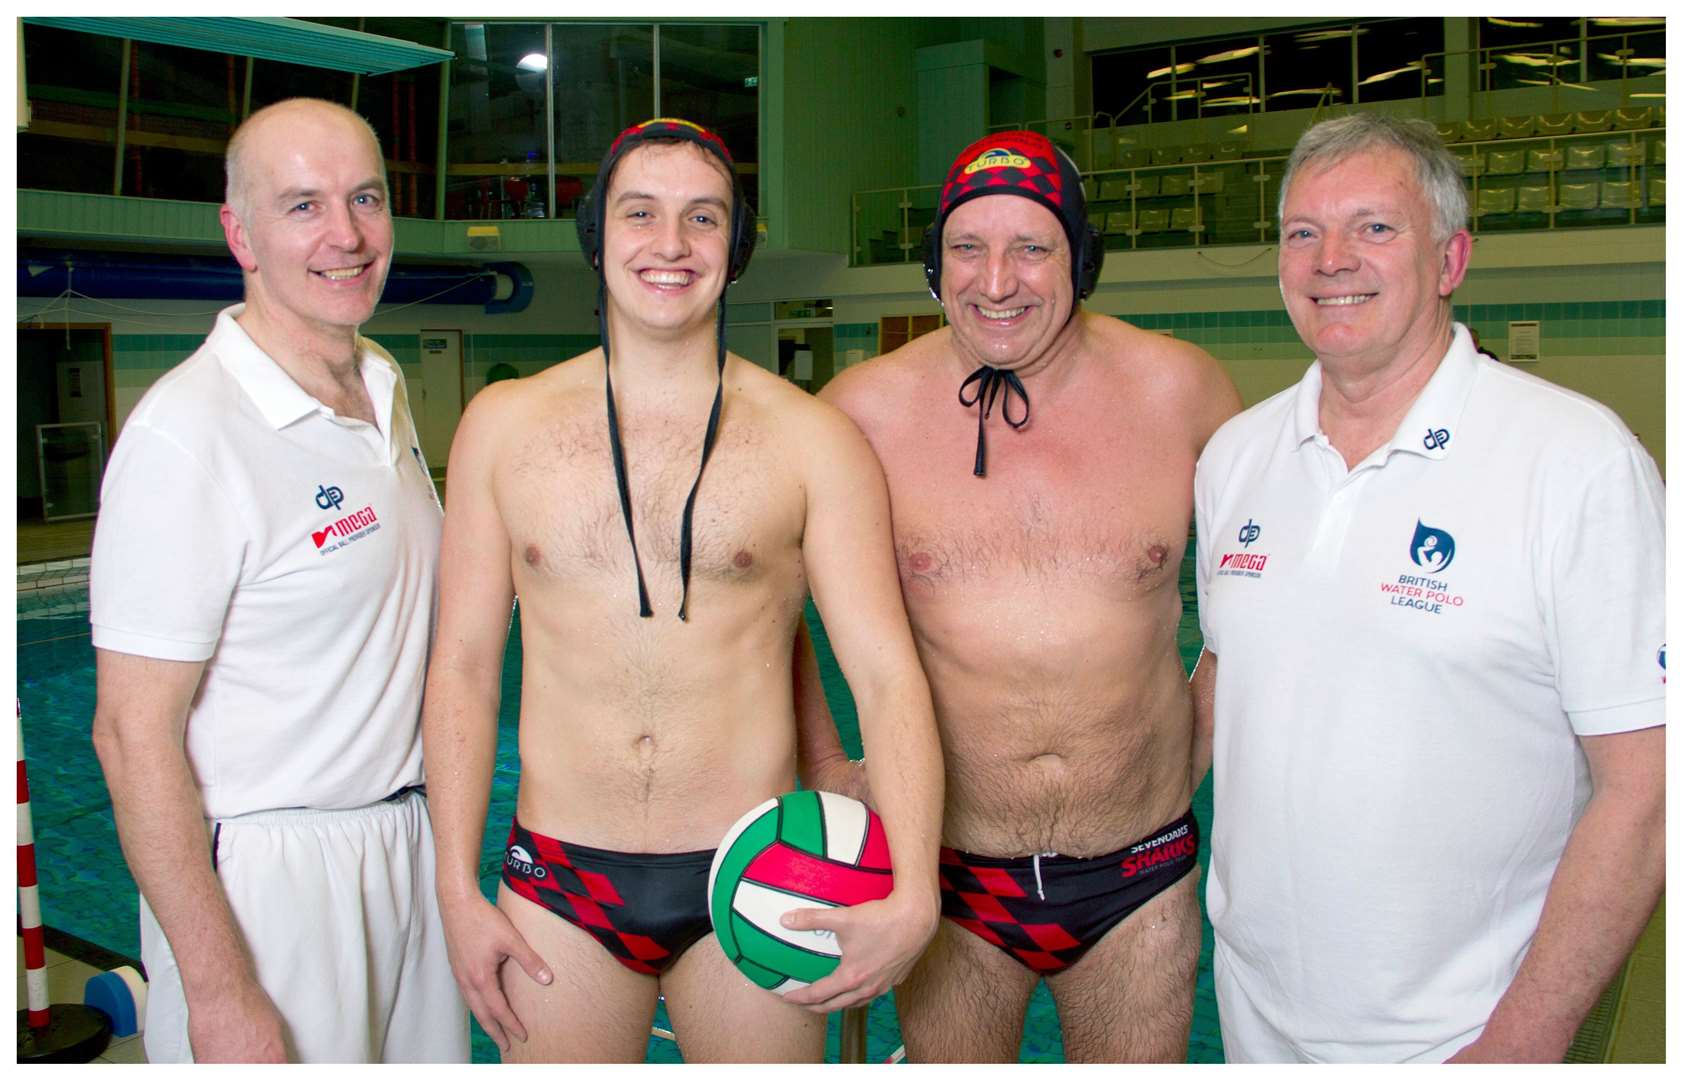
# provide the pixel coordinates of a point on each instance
(743, 232)
(1023, 163)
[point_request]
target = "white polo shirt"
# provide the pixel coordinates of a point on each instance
(244, 523)
(1407, 653)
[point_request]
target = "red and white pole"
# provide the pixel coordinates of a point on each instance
(69, 1032)
(29, 899)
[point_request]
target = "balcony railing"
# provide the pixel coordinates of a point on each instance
(1591, 169)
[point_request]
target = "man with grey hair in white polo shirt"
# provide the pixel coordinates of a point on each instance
(1435, 586)
(262, 593)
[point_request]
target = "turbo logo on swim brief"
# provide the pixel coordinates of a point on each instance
(519, 860)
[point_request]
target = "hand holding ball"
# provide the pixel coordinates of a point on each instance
(799, 850)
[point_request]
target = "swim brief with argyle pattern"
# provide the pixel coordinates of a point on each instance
(1047, 910)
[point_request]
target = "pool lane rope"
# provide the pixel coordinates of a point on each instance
(29, 900)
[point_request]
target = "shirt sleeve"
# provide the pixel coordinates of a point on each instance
(1203, 510)
(167, 551)
(1603, 596)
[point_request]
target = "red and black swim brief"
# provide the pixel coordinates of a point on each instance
(644, 909)
(1047, 910)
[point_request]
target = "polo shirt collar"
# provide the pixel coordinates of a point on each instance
(1431, 423)
(271, 389)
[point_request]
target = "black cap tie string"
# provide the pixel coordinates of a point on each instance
(991, 380)
(687, 527)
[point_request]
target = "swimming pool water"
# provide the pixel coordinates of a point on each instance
(86, 889)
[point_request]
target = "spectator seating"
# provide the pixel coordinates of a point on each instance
(1584, 196)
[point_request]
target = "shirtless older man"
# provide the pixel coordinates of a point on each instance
(1039, 559)
(653, 717)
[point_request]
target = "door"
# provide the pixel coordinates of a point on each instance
(438, 408)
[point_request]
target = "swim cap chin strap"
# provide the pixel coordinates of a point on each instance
(991, 380)
(686, 536)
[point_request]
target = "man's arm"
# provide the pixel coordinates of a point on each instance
(824, 765)
(139, 733)
(458, 720)
(1603, 892)
(849, 559)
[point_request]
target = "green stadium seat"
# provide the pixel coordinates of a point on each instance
(1477, 130)
(1176, 184)
(1112, 190)
(1554, 123)
(1448, 131)
(1544, 160)
(1535, 198)
(1631, 119)
(1227, 151)
(1495, 200)
(1153, 219)
(1597, 120)
(1515, 127)
(1578, 156)
(1133, 157)
(1619, 194)
(1165, 155)
(1187, 219)
(1118, 223)
(1655, 191)
(1143, 187)
(1197, 152)
(1506, 162)
(1624, 154)
(1579, 196)
(1471, 162)
(1209, 183)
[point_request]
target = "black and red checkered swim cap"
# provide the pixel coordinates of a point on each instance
(1023, 163)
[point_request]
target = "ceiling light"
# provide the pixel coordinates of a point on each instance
(1628, 22)
(1171, 69)
(1231, 54)
(533, 62)
(1514, 22)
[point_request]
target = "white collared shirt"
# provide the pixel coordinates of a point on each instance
(1408, 651)
(245, 524)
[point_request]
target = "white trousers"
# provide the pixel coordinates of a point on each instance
(338, 910)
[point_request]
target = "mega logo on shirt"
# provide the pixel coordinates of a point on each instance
(1243, 563)
(346, 530)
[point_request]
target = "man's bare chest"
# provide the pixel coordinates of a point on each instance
(560, 503)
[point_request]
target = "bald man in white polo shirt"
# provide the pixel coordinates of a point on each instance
(1435, 585)
(262, 597)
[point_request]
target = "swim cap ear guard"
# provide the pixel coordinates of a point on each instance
(1028, 164)
(744, 233)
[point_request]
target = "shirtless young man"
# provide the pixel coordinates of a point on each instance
(657, 702)
(1044, 596)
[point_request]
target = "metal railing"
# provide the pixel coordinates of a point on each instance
(1211, 202)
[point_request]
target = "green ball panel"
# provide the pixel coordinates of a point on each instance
(802, 824)
(756, 946)
(754, 839)
(761, 976)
